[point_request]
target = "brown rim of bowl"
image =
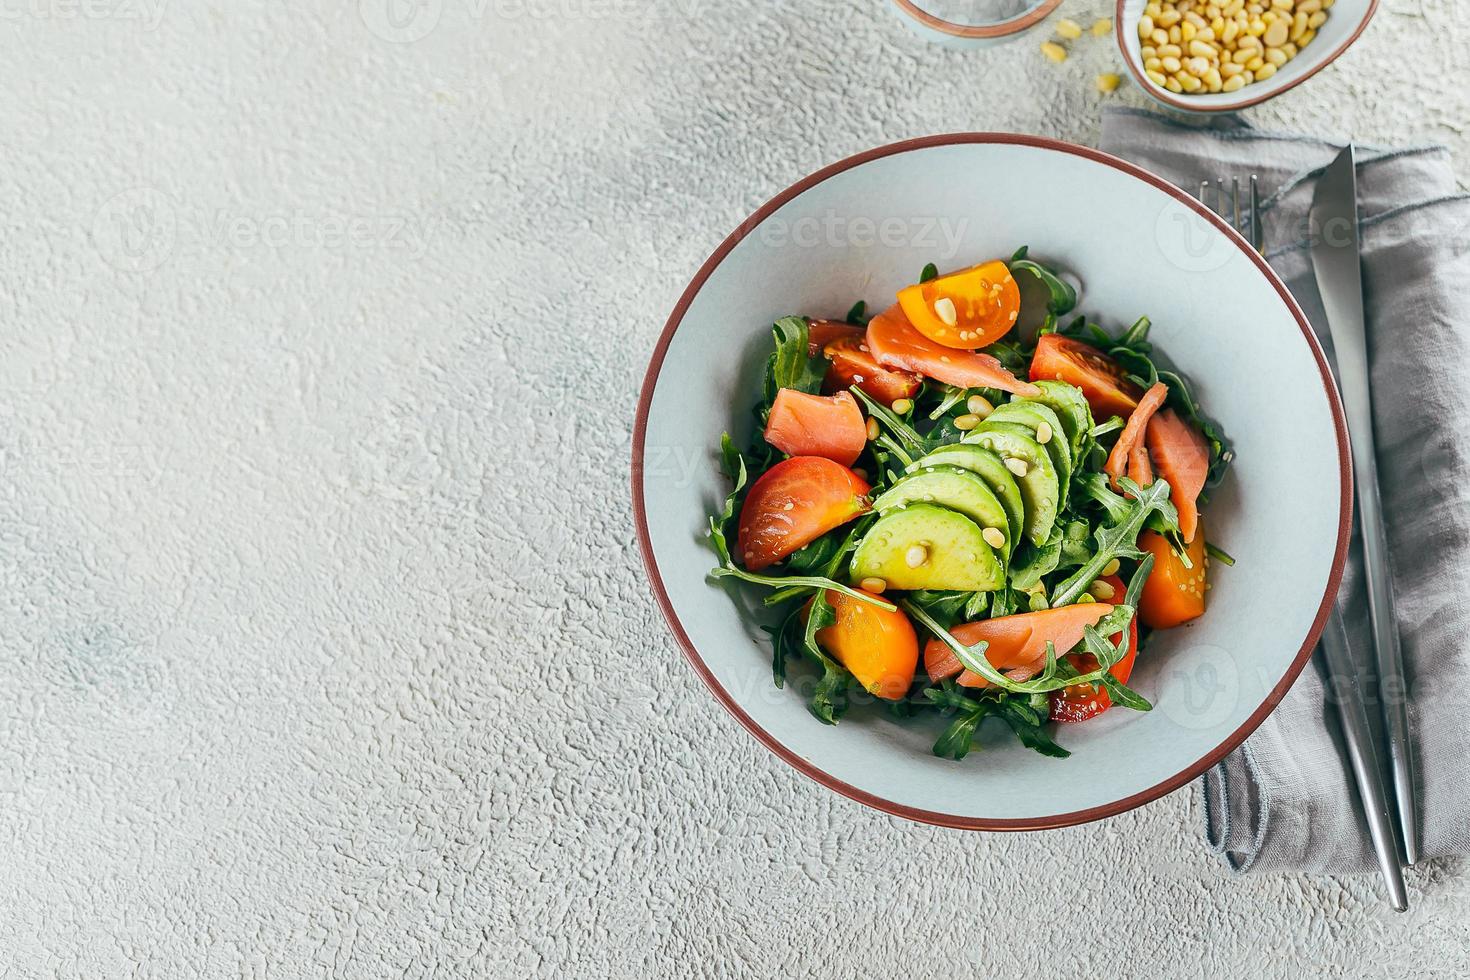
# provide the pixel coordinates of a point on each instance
(1003, 29)
(1164, 96)
(645, 545)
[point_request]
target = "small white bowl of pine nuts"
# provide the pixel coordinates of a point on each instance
(1223, 55)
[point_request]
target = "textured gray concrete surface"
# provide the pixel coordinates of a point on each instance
(326, 650)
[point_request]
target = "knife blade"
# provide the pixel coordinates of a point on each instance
(1336, 262)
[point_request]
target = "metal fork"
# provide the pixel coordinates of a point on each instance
(1347, 682)
(1249, 226)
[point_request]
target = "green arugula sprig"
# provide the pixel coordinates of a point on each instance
(1116, 540)
(1061, 296)
(1025, 719)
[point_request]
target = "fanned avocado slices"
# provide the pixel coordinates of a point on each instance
(958, 489)
(1037, 476)
(990, 468)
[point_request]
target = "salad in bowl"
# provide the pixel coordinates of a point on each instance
(975, 502)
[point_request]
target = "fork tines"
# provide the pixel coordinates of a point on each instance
(1248, 224)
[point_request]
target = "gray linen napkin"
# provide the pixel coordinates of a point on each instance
(1284, 801)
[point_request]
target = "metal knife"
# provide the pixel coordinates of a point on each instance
(1335, 260)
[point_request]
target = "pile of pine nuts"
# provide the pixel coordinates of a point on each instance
(1199, 46)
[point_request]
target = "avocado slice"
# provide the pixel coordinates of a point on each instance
(1040, 490)
(1071, 407)
(956, 488)
(990, 468)
(955, 555)
(1031, 414)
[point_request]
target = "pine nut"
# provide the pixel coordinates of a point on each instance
(994, 537)
(1043, 433)
(944, 309)
(966, 422)
(903, 406)
(1171, 51)
(1265, 71)
(1069, 29)
(916, 556)
(1054, 51)
(979, 406)
(1018, 466)
(1102, 27)
(1233, 84)
(1111, 568)
(873, 585)
(872, 428)
(1276, 56)
(1275, 35)
(1102, 590)
(1171, 65)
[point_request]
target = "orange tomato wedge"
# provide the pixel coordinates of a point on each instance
(1101, 378)
(820, 333)
(1132, 433)
(877, 645)
(966, 309)
(793, 503)
(1173, 594)
(1017, 643)
(830, 426)
(853, 366)
(1182, 457)
(896, 344)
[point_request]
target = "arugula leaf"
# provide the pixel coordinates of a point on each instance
(930, 271)
(1219, 554)
(905, 436)
(946, 607)
(1117, 540)
(1164, 519)
(855, 316)
(956, 740)
(828, 700)
(780, 645)
(1137, 334)
(1033, 562)
(1027, 723)
(952, 396)
(1061, 296)
(1075, 547)
(790, 366)
(975, 608)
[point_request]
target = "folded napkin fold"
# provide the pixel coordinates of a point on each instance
(1285, 800)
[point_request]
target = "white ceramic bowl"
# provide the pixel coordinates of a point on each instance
(1345, 21)
(861, 229)
(973, 23)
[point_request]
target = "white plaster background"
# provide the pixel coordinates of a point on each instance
(324, 646)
